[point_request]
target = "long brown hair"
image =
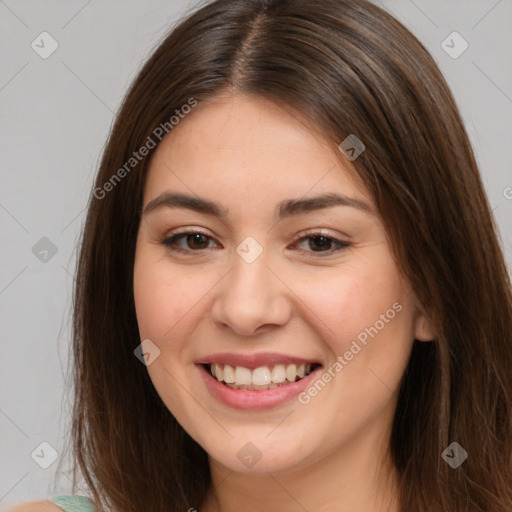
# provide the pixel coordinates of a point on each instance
(350, 68)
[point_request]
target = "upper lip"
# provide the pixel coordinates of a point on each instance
(254, 360)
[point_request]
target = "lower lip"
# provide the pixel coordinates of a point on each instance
(254, 400)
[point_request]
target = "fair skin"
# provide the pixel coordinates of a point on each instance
(34, 506)
(298, 297)
(247, 154)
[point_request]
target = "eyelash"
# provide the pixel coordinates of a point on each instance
(170, 242)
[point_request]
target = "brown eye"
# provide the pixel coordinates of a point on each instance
(197, 241)
(319, 243)
(194, 241)
(322, 242)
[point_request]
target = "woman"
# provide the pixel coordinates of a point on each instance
(290, 292)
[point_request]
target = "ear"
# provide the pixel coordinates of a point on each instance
(423, 328)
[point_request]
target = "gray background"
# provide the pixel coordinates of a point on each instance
(55, 115)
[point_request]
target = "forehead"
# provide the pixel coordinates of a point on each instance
(250, 146)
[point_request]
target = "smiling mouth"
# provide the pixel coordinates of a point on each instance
(261, 378)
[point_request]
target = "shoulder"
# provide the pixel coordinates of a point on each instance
(33, 506)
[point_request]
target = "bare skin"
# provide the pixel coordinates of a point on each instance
(33, 506)
(328, 452)
(247, 154)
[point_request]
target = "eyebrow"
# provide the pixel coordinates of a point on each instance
(286, 208)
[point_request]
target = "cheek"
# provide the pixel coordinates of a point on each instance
(166, 300)
(348, 300)
(363, 315)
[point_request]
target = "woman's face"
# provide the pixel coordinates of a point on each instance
(275, 285)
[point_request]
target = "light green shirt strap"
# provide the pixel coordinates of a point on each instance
(74, 503)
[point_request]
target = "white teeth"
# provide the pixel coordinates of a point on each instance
(242, 376)
(261, 378)
(278, 373)
(258, 388)
(291, 372)
(229, 374)
(217, 372)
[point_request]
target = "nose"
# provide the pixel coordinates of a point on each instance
(251, 299)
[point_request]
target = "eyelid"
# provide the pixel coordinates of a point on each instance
(320, 232)
(189, 231)
(315, 232)
(185, 231)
